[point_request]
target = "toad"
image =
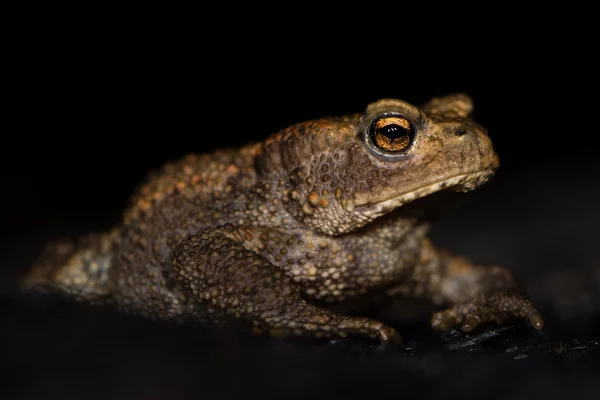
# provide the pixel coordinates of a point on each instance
(322, 212)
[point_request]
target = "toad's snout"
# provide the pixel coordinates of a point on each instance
(478, 159)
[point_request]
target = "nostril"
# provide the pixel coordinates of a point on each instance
(460, 131)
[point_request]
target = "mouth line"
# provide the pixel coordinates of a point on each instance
(423, 191)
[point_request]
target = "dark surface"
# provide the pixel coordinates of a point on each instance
(77, 154)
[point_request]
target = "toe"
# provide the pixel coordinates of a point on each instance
(536, 320)
(388, 335)
(471, 322)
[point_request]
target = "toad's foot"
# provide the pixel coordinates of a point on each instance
(498, 308)
(79, 269)
(325, 325)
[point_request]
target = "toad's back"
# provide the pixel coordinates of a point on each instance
(182, 199)
(130, 264)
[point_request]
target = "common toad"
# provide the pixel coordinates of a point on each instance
(321, 212)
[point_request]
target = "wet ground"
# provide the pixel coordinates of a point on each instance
(52, 349)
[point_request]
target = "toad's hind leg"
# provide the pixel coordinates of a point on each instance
(78, 269)
(238, 282)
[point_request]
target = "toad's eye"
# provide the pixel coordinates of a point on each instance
(392, 133)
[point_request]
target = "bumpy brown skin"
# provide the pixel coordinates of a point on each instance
(313, 215)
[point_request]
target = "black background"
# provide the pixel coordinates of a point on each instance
(84, 133)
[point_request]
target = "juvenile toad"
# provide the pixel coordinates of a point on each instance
(321, 212)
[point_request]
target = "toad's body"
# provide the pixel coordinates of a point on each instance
(318, 213)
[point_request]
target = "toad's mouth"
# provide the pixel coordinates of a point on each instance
(459, 183)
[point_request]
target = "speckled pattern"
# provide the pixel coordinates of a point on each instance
(319, 213)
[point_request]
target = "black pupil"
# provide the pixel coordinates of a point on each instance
(393, 131)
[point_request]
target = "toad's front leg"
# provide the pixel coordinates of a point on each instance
(476, 294)
(238, 282)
